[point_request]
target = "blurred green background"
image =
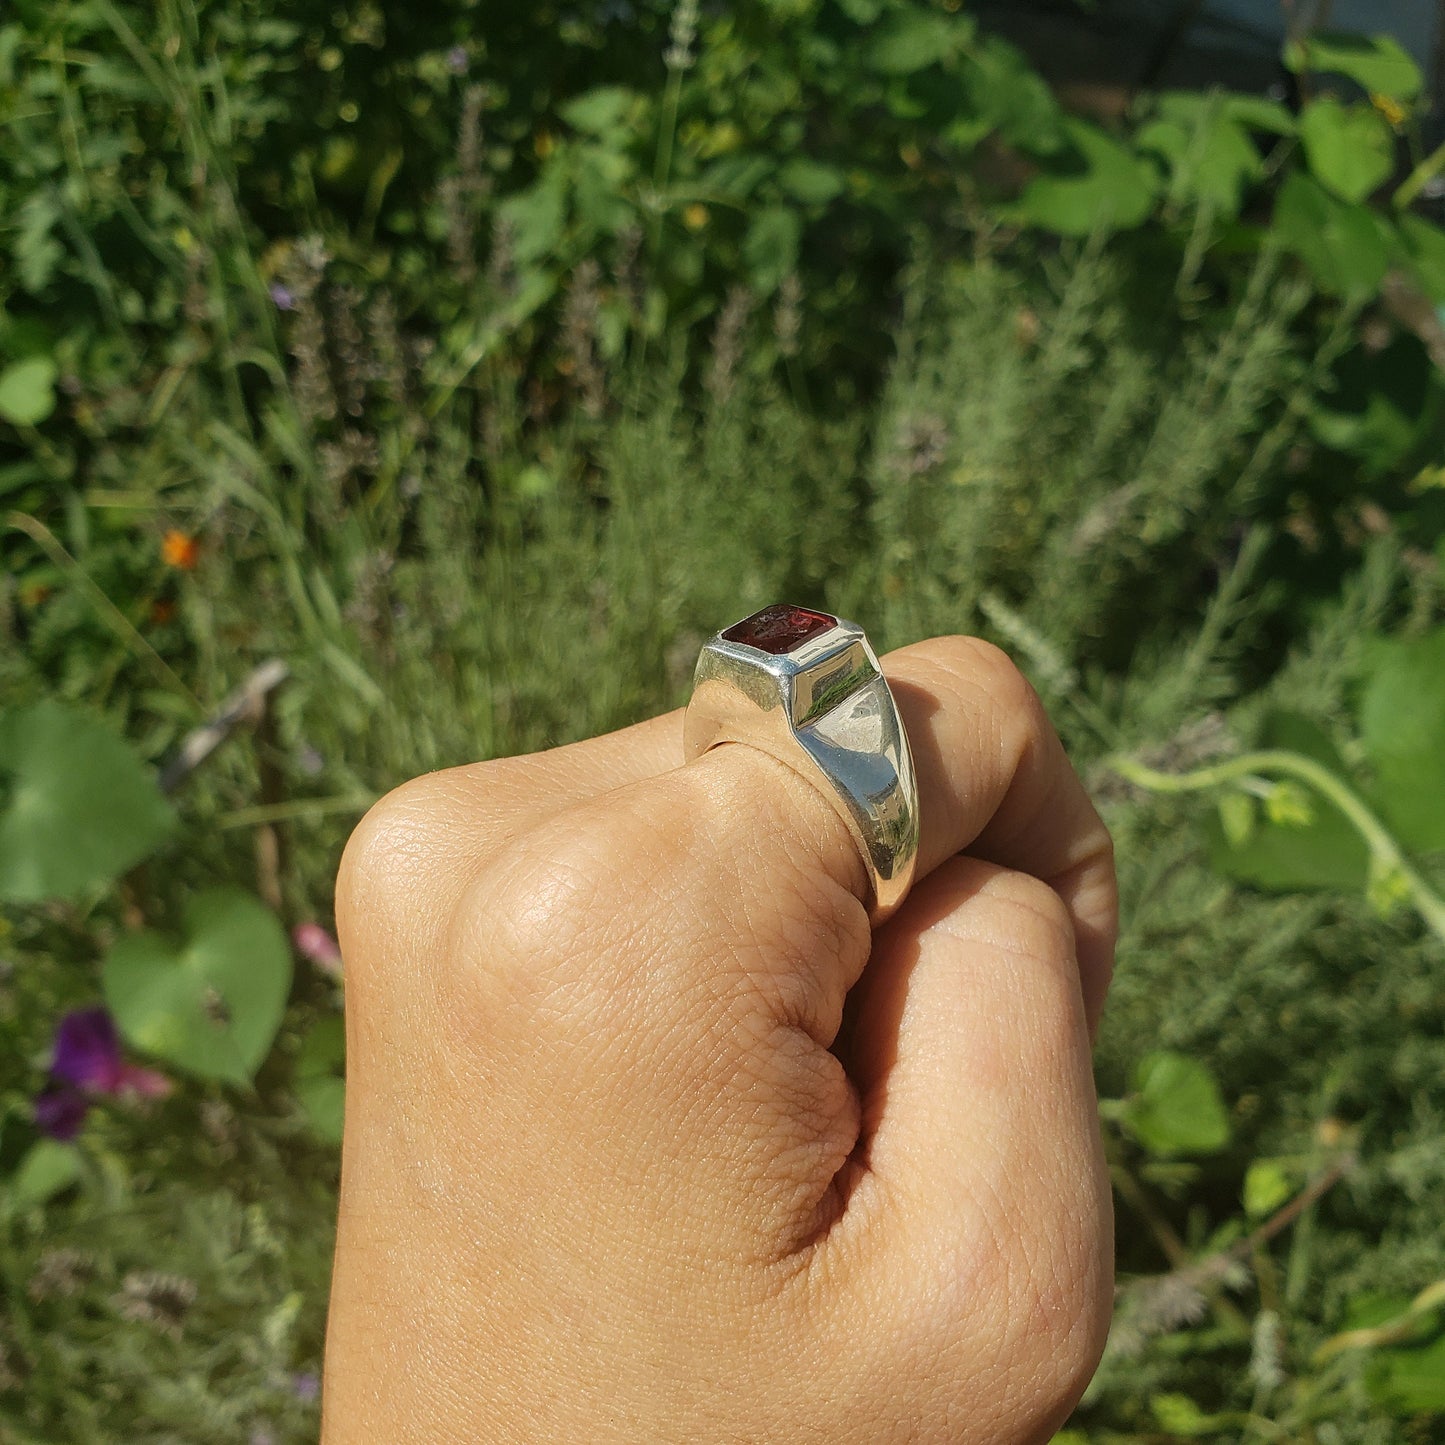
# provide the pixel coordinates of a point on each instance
(384, 390)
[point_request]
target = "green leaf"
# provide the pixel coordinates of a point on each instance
(1402, 726)
(1387, 888)
(1012, 98)
(912, 40)
(1103, 187)
(1289, 805)
(1238, 817)
(27, 391)
(77, 807)
(1379, 435)
(1424, 247)
(47, 1169)
(1410, 1380)
(1176, 1107)
(1256, 113)
(320, 1089)
(323, 1101)
(1209, 153)
(811, 182)
(1343, 246)
(1378, 64)
(211, 1005)
(735, 176)
(537, 215)
(1350, 148)
(1382, 405)
(1180, 1415)
(1325, 852)
(1267, 1185)
(600, 112)
(771, 247)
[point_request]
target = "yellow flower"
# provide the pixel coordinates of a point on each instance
(695, 216)
(1389, 107)
(544, 144)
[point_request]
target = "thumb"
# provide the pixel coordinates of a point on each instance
(980, 1206)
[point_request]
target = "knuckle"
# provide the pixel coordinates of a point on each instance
(541, 899)
(387, 849)
(981, 667)
(546, 916)
(987, 666)
(1033, 914)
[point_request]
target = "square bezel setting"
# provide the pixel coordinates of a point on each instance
(780, 629)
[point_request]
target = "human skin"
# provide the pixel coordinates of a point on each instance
(650, 1138)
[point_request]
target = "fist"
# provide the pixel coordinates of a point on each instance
(650, 1138)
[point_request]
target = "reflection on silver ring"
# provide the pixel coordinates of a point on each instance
(805, 687)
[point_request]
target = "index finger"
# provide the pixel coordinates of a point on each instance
(993, 780)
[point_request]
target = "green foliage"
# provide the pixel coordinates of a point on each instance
(1176, 1107)
(1097, 185)
(27, 391)
(1268, 1184)
(320, 1089)
(1402, 730)
(1349, 148)
(1316, 847)
(47, 1169)
(76, 806)
(211, 1005)
(1378, 64)
(480, 386)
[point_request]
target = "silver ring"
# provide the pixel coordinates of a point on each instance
(805, 687)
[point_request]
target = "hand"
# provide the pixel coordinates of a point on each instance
(649, 1139)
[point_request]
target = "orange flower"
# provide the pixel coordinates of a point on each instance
(180, 549)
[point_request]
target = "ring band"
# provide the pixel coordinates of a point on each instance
(806, 688)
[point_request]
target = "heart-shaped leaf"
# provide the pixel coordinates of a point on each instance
(212, 1004)
(77, 807)
(1376, 63)
(1176, 1106)
(27, 391)
(1349, 147)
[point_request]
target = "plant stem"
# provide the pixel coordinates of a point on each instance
(292, 809)
(1385, 851)
(1392, 1332)
(1419, 178)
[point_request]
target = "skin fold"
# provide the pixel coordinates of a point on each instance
(649, 1138)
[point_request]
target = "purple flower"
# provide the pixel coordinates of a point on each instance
(88, 1061)
(457, 59)
(306, 1385)
(87, 1051)
(60, 1112)
(315, 944)
(283, 298)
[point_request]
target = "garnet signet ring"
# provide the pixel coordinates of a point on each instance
(805, 687)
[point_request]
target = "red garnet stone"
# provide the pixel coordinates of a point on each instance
(780, 628)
